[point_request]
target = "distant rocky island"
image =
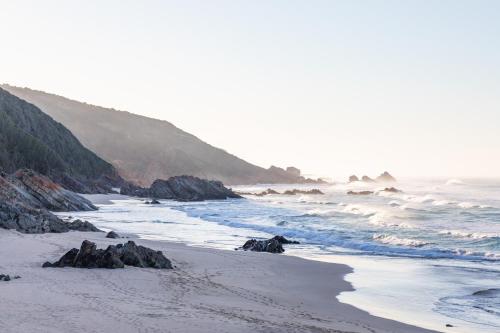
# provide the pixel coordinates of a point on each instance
(385, 177)
(144, 149)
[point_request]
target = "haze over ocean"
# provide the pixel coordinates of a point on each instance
(333, 87)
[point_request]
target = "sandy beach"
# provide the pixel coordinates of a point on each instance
(208, 291)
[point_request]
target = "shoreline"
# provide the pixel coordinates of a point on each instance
(231, 291)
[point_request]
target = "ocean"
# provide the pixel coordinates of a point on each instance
(428, 255)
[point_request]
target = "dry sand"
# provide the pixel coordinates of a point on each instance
(208, 291)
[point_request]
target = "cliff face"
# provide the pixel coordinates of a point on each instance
(26, 198)
(31, 139)
(144, 149)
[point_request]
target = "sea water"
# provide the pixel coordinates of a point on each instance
(429, 255)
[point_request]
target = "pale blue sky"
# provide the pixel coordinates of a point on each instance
(333, 87)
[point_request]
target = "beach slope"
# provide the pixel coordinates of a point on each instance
(208, 291)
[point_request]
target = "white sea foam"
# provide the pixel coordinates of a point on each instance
(454, 182)
(467, 234)
(443, 202)
(393, 240)
(467, 205)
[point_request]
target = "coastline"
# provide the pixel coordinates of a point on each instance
(226, 291)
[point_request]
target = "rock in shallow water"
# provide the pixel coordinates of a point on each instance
(114, 256)
(112, 234)
(79, 225)
(182, 188)
(273, 245)
(6, 277)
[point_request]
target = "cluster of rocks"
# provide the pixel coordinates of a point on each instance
(182, 188)
(391, 189)
(295, 192)
(273, 245)
(383, 178)
(292, 175)
(114, 256)
(6, 277)
(360, 192)
(270, 191)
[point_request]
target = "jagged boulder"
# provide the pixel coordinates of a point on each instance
(112, 234)
(385, 177)
(79, 225)
(29, 220)
(273, 245)
(114, 256)
(183, 188)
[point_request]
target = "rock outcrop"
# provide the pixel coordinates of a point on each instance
(360, 192)
(273, 245)
(295, 192)
(114, 256)
(182, 188)
(48, 194)
(79, 225)
(113, 235)
(26, 198)
(287, 192)
(385, 177)
(391, 190)
(367, 179)
(353, 178)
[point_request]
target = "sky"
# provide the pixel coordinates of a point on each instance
(332, 87)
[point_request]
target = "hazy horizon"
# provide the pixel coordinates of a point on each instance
(332, 87)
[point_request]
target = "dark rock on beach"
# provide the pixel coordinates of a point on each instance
(26, 199)
(284, 240)
(114, 256)
(182, 188)
(79, 225)
(6, 277)
(112, 234)
(273, 245)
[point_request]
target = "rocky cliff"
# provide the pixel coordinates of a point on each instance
(145, 149)
(26, 198)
